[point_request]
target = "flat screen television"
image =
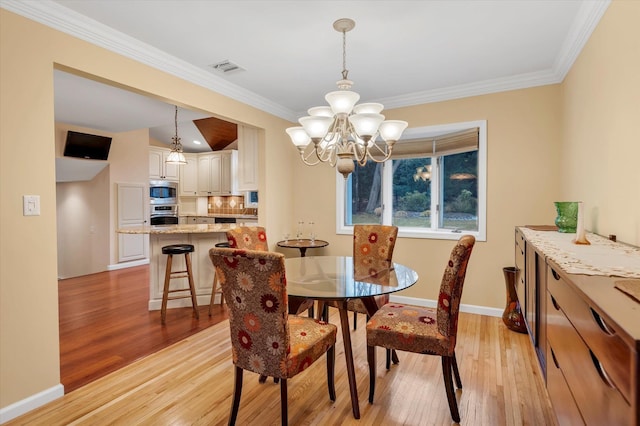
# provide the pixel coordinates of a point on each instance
(83, 145)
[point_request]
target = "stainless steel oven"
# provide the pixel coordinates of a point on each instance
(164, 214)
(163, 192)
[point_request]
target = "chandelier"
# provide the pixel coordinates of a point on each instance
(344, 132)
(176, 156)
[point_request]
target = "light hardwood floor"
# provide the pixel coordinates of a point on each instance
(191, 383)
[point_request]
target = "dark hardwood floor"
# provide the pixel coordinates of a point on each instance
(105, 324)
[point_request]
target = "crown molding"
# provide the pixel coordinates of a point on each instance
(54, 15)
(60, 18)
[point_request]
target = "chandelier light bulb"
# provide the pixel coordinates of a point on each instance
(342, 101)
(368, 108)
(316, 126)
(320, 111)
(298, 136)
(391, 130)
(366, 124)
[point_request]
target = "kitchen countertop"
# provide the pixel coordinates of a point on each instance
(180, 229)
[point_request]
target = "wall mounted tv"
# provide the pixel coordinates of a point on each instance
(83, 145)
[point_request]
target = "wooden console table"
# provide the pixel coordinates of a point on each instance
(586, 332)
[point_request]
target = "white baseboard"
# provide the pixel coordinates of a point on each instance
(428, 303)
(19, 408)
(128, 264)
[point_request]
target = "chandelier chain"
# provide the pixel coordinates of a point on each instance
(345, 72)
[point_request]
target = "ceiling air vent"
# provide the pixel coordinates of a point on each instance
(227, 66)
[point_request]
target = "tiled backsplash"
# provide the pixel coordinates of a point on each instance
(233, 204)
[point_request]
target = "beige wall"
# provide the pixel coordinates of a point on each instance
(29, 349)
(601, 109)
(82, 210)
(527, 157)
(523, 139)
(87, 211)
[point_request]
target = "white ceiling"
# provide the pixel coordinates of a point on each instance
(400, 53)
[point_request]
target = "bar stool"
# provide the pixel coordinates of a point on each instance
(178, 249)
(214, 287)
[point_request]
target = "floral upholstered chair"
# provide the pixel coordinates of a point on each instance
(248, 238)
(425, 330)
(244, 237)
(371, 243)
(265, 339)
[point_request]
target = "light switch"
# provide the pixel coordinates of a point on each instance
(31, 205)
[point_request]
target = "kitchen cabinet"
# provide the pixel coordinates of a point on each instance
(217, 173)
(158, 168)
(247, 159)
(189, 176)
(588, 329)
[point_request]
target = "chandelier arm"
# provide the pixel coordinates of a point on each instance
(382, 160)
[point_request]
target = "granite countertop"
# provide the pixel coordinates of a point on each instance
(180, 229)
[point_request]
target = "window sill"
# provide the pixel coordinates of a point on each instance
(405, 232)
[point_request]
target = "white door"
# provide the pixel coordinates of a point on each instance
(132, 212)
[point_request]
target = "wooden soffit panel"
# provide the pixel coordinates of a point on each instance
(218, 133)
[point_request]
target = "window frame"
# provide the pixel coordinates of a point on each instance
(387, 181)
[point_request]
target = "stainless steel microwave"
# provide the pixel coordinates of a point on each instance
(163, 192)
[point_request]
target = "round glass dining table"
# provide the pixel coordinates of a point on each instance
(340, 278)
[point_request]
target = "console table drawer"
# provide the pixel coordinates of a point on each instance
(563, 403)
(597, 398)
(607, 346)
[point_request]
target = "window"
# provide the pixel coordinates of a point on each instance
(434, 186)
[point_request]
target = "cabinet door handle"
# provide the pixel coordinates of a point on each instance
(601, 371)
(601, 323)
(555, 275)
(555, 304)
(553, 357)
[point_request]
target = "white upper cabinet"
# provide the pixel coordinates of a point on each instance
(158, 168)
(247, 159)
(217, 173)
(189, 176)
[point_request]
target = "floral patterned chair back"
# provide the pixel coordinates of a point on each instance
(372, 247)
(254, 287)
(451, 288)
(373, 242)
(248, 238)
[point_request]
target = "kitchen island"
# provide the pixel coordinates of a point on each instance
(203, 237)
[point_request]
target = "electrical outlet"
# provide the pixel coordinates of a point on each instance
(31, 205)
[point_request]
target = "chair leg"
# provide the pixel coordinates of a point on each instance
(394, 356)
(237, 391)
(331, 362)
(192, 287)
(214, 288)
(355, 320)
(165, 292)
(456, 373)
(448, 385)
(284, 411)
(371, 359)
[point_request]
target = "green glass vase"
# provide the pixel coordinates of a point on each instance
(567, 218)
